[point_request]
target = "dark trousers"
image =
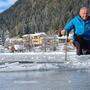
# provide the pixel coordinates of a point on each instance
(82, 46)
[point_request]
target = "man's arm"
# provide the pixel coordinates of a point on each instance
(68, 27)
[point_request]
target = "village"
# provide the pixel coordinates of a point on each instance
(37, 42)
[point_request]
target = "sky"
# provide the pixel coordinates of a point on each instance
(5, 4)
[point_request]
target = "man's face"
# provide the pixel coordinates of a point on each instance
(84, 13)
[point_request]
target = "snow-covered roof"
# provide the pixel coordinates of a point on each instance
(64, 37)
(36, 34)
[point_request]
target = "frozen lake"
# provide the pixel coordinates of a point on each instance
(73, 74)
(46, 80)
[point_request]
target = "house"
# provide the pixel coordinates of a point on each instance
(35, 39)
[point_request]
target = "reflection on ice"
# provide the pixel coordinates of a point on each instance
(69, 65)
(26, 67)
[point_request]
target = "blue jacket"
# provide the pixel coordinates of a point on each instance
(80, 26)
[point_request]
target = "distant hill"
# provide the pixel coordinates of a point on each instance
(29, 16)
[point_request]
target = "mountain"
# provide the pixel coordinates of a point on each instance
(29, 16)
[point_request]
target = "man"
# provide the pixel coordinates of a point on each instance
(81, 26)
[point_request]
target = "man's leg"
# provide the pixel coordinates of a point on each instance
(79, 43)
(78, 47)
(86, 47)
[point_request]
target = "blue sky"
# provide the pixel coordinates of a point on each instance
(5, 4)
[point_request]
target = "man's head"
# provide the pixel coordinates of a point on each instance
(84, 12)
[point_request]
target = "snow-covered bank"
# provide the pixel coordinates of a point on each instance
(34, 57)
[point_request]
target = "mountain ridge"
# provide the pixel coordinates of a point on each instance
(29, 16)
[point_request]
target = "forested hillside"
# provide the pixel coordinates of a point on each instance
(29, 16)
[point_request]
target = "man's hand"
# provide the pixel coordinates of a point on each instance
(63, 32)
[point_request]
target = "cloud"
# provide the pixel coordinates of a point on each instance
(14, 0)
(5, 4)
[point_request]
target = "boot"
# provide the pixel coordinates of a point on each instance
(79, 51)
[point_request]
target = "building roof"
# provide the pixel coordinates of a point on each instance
(36, 34)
